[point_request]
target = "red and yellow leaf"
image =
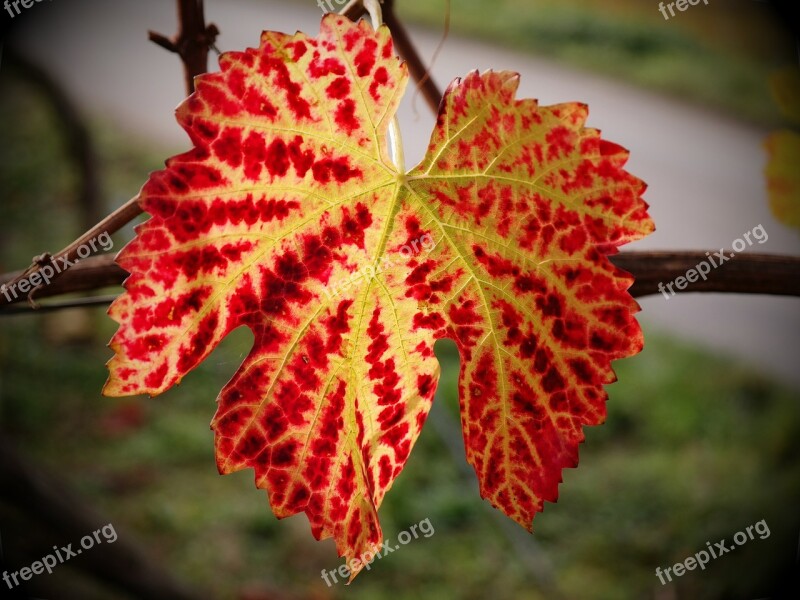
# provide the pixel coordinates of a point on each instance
(288, 217)
(528, 203)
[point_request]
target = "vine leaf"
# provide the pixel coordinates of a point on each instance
(288, 217)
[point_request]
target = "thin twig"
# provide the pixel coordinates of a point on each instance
(87, 302)
(416, 67)
(192, 42)
(434, 58)
(111, 224)
(90, 275)
(354, 10)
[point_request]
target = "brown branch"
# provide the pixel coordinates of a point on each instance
(111, 224)
(354, 10)
(91, 274)
(416, 66)
(746, 274)
(84, 302)
(192, 42)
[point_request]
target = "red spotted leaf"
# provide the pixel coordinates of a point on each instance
(288, 217)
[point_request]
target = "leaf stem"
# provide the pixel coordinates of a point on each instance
(373, 7)
(375, 13)
(192, 42)
(396, 147)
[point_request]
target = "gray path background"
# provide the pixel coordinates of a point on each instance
(704, 170)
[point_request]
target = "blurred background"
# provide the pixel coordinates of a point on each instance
(703, 431)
